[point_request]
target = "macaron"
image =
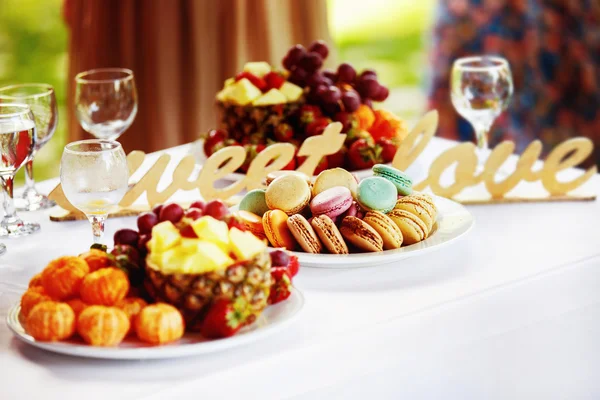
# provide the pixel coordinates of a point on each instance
(413, 229)
(427, 199)
(276, 174)
(361, 234)
(329, 234)
(254, 201)
(288, 193)
(304, 233)
(419, 207)
(402, 181)
(253, 223)
(353, 211)
(387, 229)
(335, 177)
(332, 202)
(276, 229)
(377, 193)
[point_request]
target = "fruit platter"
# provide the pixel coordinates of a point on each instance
(263, 105)
(186, 282)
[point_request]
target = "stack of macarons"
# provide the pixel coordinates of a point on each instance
(338, 214)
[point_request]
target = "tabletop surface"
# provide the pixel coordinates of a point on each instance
(511, 311)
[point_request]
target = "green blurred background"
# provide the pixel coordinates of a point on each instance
(388, 36)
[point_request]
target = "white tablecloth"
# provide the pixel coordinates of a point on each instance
(511, 311)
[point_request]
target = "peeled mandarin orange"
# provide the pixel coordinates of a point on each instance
(102, 326)
(132, 307)
(96, 259)
(106, 286)
(36, 280)
(159, 323)
(365, 117)
(50, 321)
(63, 276)
(32, 297)
(77, 305)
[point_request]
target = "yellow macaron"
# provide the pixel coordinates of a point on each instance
(288, 193)
(387, 229)
(418, 206)
(413, 228)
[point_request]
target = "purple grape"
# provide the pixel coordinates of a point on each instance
(298, 77)
(351, 100)
(382, 93)
(311, 62)
(319, 47)
(280, 258)
(332, 95)
(346, 73)
(126, 236)
(345, 119)
(328, 73)
(330, 109)
(367, 102)
(367, 87)
(293, 56)
(368, 73)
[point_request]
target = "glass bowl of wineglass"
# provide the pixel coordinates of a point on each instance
(481, 88)
(94, 175)
(42, 101)
(105, 101)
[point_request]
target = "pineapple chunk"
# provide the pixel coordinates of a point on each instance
(171, 260)
(208, 257)
(164, 236)
(244, 244)
(243, 92)
(291, 91)
(259, 68)
(225, 94)
(213, 230)
(229, 82)
(273, 96)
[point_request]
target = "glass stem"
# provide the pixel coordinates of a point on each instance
(97, 222)
(481, 136)
(29, 181)
(9, 206)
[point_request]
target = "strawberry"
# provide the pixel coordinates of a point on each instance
(213, 138)
(255, 80)
(338, 159)
(362, 155)
(273, 80)
(290, 166)
(281, 286)
(224, 318)
(388, 149)
(309, 113)
(317, 126)
(293, 266)
(321, 166)
(252, 151)
(283, 132)
(187, 231)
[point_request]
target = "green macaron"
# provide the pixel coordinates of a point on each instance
(402, 181)
(254, 202)
(377, 193)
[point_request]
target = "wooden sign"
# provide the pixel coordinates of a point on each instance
(229, 159)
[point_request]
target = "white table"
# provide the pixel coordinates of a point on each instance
(512, 311)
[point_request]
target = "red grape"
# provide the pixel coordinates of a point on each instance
(156, 209)
(346, 119)
(382, 93)
(171, 212)
(214, 137)
(216, 209)
(311, 62)
(188, 232)
(198, 204)
(367, 102)
(330, 74)
(332, 95)
(298, 76)
(330, 109)
(368, 87)
(194, 213)
(368, 73)
(126, 236)
(279, 258)
(320, 47)
(144, 239)
(293, 56)
(130, 253)
(346, 73)
(146, 221)
(351, 101)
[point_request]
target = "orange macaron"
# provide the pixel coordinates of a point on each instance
(253, 223)
(276, 229)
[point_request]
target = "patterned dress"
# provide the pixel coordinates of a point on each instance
(553, 47)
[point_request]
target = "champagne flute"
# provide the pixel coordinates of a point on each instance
(17, 141)
(42, 100)
(106, 101)
(94, 176)
(481, 88)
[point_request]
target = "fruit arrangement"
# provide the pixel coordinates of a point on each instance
(198, 269)
(337, 213)
(261, 106)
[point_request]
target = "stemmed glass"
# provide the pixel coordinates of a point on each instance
(106, 101)
(42, 100)
(17, 141)
(94, 176)
(481, 88)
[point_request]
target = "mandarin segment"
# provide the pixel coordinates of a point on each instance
(159, 323)
(132, 306)
(36, 280)
(50, 321)
(63, 276)
(102, 326)
(78, 306)
(97, 259)
(32, 297)
(106, 286)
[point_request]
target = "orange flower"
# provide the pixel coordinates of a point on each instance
(159, 323)
(365, 117)
(36, 280)
(97, 259)
(50, 321)
(388, 125)
(102, 326)
(32, 297)
(62, 277)
(132, 307)
(106, 287)
(78, 306)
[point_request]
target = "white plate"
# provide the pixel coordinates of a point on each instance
(453, 221)
(274, 318)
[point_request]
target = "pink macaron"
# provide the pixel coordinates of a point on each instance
(331, 202)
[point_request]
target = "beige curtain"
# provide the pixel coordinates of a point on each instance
(181, 51)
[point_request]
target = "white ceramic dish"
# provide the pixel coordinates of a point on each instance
(274, 318)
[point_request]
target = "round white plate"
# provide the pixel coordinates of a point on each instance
(274, 318)
(453, 221)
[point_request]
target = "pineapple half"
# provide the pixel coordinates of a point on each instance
(191, 273)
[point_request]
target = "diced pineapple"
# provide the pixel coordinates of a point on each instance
(291, 91)
(208, 257)
(243, 92)
(258, 68)
(229, 82)
(226, 93)
(213, 230)
(244, 244)
(273, 96)
(171, 260)
(164, 236)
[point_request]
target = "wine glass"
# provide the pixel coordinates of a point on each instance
(105, 101)
(17, 141)
(94, 176)
(42, 101)
(481, 87)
